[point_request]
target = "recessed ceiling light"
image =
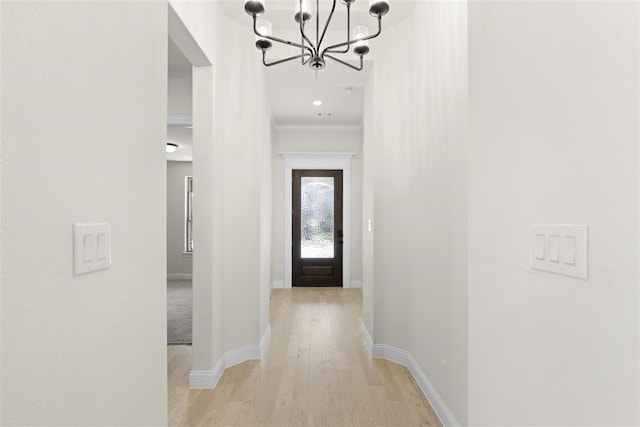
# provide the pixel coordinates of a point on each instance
(171, 147)
(317, 103)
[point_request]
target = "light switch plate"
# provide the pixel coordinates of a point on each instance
(559, 248)
(91, 247)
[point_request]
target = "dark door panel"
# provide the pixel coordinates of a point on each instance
(317, 228)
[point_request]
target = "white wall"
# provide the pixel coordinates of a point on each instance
(414, 151)
(180, 99)
(178, 263)
(84, 96)
(316, 141)
(554, 139)
(369, 165)
(232, 165)
(246, 154)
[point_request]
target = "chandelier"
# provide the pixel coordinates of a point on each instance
(312, 52)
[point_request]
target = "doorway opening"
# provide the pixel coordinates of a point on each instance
(314, 161)
(179, 197)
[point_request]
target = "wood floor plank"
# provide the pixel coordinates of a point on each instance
(315, 372)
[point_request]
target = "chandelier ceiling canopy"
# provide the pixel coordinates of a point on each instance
(312, 52)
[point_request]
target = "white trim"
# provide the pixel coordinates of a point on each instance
(389, 352)
(368, 342)
(277, 284)
(179, 276)
(209, 379)
(356, 284)
(438, 405)
(404, 358)
(242, 354)
(317, 128)
(317, 160)
(328, 160)
(266, 338)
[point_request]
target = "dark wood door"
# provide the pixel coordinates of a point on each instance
(317, 228)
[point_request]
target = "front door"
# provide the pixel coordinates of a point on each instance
(317, 228)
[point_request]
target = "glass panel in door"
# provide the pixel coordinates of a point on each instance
(317, 218)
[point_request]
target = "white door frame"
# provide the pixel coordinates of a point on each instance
(311, 160)
(207, 317)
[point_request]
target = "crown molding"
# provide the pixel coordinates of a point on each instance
(318, 128)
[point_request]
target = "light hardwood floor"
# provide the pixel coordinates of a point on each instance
(316, 372)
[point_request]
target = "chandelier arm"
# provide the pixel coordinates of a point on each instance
(302, 33)
(348, 30)
(326, 25)
(280, 61)
(275, 39)
(346, 63)
(311, 48)
(350, 42)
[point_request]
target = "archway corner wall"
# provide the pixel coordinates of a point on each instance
(232, 270)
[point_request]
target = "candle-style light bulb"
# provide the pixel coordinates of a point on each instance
(305, 6)
(263, 27)
(361, 47)
(306, 12)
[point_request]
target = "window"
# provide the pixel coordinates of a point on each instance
(188, 209)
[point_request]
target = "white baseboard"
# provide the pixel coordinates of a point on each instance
(389, 352)
(266, 338)
(404, 358)
(209, 379)
(242, 354)
(438, 405)
(179, 276)
(368, 342)
(356, 284)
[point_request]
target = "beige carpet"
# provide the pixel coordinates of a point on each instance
(179, 311)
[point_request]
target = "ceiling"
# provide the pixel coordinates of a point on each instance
(291, 87)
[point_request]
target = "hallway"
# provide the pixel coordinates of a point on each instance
(316, 371)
